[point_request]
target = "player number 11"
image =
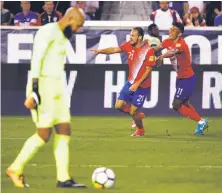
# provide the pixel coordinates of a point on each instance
(179, 91)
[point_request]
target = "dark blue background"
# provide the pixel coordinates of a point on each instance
(88, 94)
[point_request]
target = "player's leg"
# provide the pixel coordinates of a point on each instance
(29, 149)
(185, 111)
(188, 105)
(61, 145)
(138, 120)
(142, 115)
(183, 92)
(202, 124)
(123, 102)
(184, 89)
(122, 106)
(137, 102)
(43, 119)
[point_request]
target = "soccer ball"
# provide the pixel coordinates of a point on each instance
(103, 178)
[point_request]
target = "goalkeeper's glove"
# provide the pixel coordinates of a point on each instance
(34, 99)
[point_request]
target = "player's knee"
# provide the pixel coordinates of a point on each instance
(176, 105)
(118, 106)
(132, 113)
(187, 104)
(63, 129)
(45, 134)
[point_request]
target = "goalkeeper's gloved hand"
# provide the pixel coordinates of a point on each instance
(34, 99)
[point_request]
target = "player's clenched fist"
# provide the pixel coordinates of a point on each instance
(134, 87)
(30, 102)
(95, 51)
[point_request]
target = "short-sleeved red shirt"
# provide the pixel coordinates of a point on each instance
(138, 60)
(181, 62)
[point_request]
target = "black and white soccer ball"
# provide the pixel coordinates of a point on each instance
(103, 178)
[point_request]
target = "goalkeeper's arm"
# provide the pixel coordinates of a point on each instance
(41, 44)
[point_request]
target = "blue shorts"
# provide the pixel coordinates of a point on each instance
(184, 88)
(135, 98)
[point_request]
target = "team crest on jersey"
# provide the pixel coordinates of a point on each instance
(151, 58)
(178, 45)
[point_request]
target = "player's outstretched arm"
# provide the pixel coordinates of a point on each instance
(111, 50)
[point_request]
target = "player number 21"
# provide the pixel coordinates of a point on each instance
(140, 98)
(179, 91)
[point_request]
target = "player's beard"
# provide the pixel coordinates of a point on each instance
(68, 31)
(164, 9)
(134, 43)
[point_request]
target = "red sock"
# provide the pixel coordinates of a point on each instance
(126, 108)
(192, 108)
(187, 112)
(141, 114)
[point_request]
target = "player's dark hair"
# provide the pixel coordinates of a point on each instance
(140, 31)
(179, 25)
(151, 26)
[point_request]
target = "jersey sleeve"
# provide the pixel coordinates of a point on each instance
(150, 58)
(124, 46)
(181, 46)
(42, 41)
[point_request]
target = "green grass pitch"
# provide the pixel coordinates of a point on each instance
(155, 163)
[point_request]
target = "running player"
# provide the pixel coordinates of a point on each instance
(179, 55)
(153, 40)
(141, 59)
(46, 99)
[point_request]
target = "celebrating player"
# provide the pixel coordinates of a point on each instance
(179, 55)
(141, 59)
(46, 99)
(153, 40)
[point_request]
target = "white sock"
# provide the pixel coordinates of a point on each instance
(30, 148)
(61, 152)
(201, 121)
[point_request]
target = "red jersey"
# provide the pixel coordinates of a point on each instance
(138, 59)
(181, 62)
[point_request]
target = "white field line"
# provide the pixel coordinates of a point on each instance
(129, 166)
(142, 139)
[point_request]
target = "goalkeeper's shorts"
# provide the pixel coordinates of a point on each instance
(54, 107)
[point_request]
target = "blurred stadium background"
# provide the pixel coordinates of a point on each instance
(161, 162)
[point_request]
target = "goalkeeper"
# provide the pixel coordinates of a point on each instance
(46, 99)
